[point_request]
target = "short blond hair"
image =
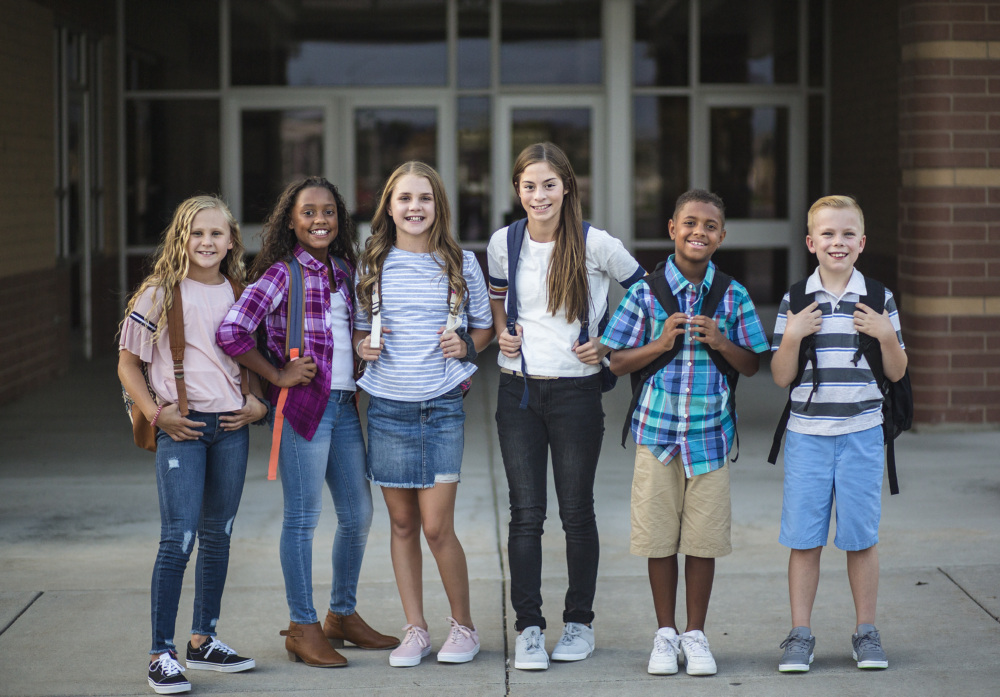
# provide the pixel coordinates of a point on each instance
(836, 201)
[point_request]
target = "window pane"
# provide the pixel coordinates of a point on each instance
(549, 42)
(277, 147)
(172, 44)
(744, 42)
(385, 139)
(330, 42)
(816, 166)
(817, 37)
(474, 168)
(749, 160)
(661, 43)
(473, 43)
(570, 129)
(172, 151)
(661, 162)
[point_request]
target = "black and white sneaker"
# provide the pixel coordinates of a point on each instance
(165, 675)
(214, 655)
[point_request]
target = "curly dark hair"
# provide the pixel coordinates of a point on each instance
(278, 238)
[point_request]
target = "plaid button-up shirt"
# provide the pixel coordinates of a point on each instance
(683, 407)
(264, 301)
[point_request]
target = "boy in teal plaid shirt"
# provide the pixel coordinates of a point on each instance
(683, 427)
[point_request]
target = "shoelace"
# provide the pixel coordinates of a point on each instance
(868, 641)
(662, 645)
(570, 634)
(458, 631)
(216, 645)
(413, 636)
(533, 641)
(699, 644)
(168, 666)
(796, 641)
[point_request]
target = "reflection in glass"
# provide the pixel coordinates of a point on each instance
(384, 139)
(322, 42)
(661, 43)
(660, 161)
(754, 43)
(277, 147)
(172, 44)
(172, 152)
(474, 168)
(473, 44)
(570, 129)
(749, 160)
(556, 42)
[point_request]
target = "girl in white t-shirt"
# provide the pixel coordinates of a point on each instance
(423, 303)
(561, 274)
(201, 458)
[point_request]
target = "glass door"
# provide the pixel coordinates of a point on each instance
(571, 122)
(746, 149)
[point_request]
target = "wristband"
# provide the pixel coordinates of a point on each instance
(152, 422)
(471, 353)
(357, 349)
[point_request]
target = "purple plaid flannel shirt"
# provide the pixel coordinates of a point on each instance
(264, 301)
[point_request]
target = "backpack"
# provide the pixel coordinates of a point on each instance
(143, 432)
(515, 238)
(294, 346)
(658, 284)
(897, 397)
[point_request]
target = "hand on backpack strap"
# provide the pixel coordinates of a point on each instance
(591, 352)
(301, 371)
(365, 350)
(867, 321)
(705, 330)
(510, 346)
(799, 326)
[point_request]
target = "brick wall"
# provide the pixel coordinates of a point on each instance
(949, 209)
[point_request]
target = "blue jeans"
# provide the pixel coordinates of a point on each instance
(564, 416)
(337, 454)
(200, 483)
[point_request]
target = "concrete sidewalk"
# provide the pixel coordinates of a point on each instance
(79, 525)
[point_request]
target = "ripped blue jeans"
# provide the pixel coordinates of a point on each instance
(200, 483)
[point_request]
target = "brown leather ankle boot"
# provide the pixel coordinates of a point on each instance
(306, 643)
(352, 628)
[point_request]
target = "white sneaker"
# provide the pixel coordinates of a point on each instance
(529, 650)
(576, 643)
(663, 660)
(697, 655)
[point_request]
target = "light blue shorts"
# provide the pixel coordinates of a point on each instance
(819, 469)
(414, 445)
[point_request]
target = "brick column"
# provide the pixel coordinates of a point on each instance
(949, 244)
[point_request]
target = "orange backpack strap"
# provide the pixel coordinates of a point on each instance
(175, 327)
(294, 348)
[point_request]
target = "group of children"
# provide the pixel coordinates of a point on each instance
(404, 320)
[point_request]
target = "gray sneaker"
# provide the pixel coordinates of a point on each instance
(868, 651)
(529, 650)
(575, 644)
(799, 646)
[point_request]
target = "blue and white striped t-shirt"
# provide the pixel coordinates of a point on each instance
(414, 305)
(847, 400)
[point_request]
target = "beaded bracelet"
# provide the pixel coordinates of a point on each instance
(156, 415)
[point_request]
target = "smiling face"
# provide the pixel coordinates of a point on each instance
(697, 231)
(314, 220)
(836, 236)
(412, 210)
(208, 243)
(541, 191)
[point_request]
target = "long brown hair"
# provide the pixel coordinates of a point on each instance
(171, 261)
(441, 244)
(278, 240)
(567, 281)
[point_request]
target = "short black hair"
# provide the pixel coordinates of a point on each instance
(701, 196)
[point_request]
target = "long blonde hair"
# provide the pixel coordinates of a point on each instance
(171, 261)
(441, 244)
(567, 280)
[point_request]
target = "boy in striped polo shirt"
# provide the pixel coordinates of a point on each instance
(683, 426)
(834, 442)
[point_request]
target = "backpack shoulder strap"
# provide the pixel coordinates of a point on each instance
(585, 315)
(515, 238)
(798, 300)
(175, 327)
(295, 334)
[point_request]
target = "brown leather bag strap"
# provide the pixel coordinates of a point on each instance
(175, 326)
(244, 371)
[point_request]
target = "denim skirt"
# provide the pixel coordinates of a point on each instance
(413, 445)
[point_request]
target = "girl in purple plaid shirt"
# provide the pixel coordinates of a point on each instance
(308, 226)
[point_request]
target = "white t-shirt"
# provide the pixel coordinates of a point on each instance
(547, 340)
(414, 305)
(339, 325)
(211, 378)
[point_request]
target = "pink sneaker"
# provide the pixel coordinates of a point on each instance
(461, 646)
(415, 645)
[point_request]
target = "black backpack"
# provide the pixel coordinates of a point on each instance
(897, 397)
(657, 282)
(515, 238)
